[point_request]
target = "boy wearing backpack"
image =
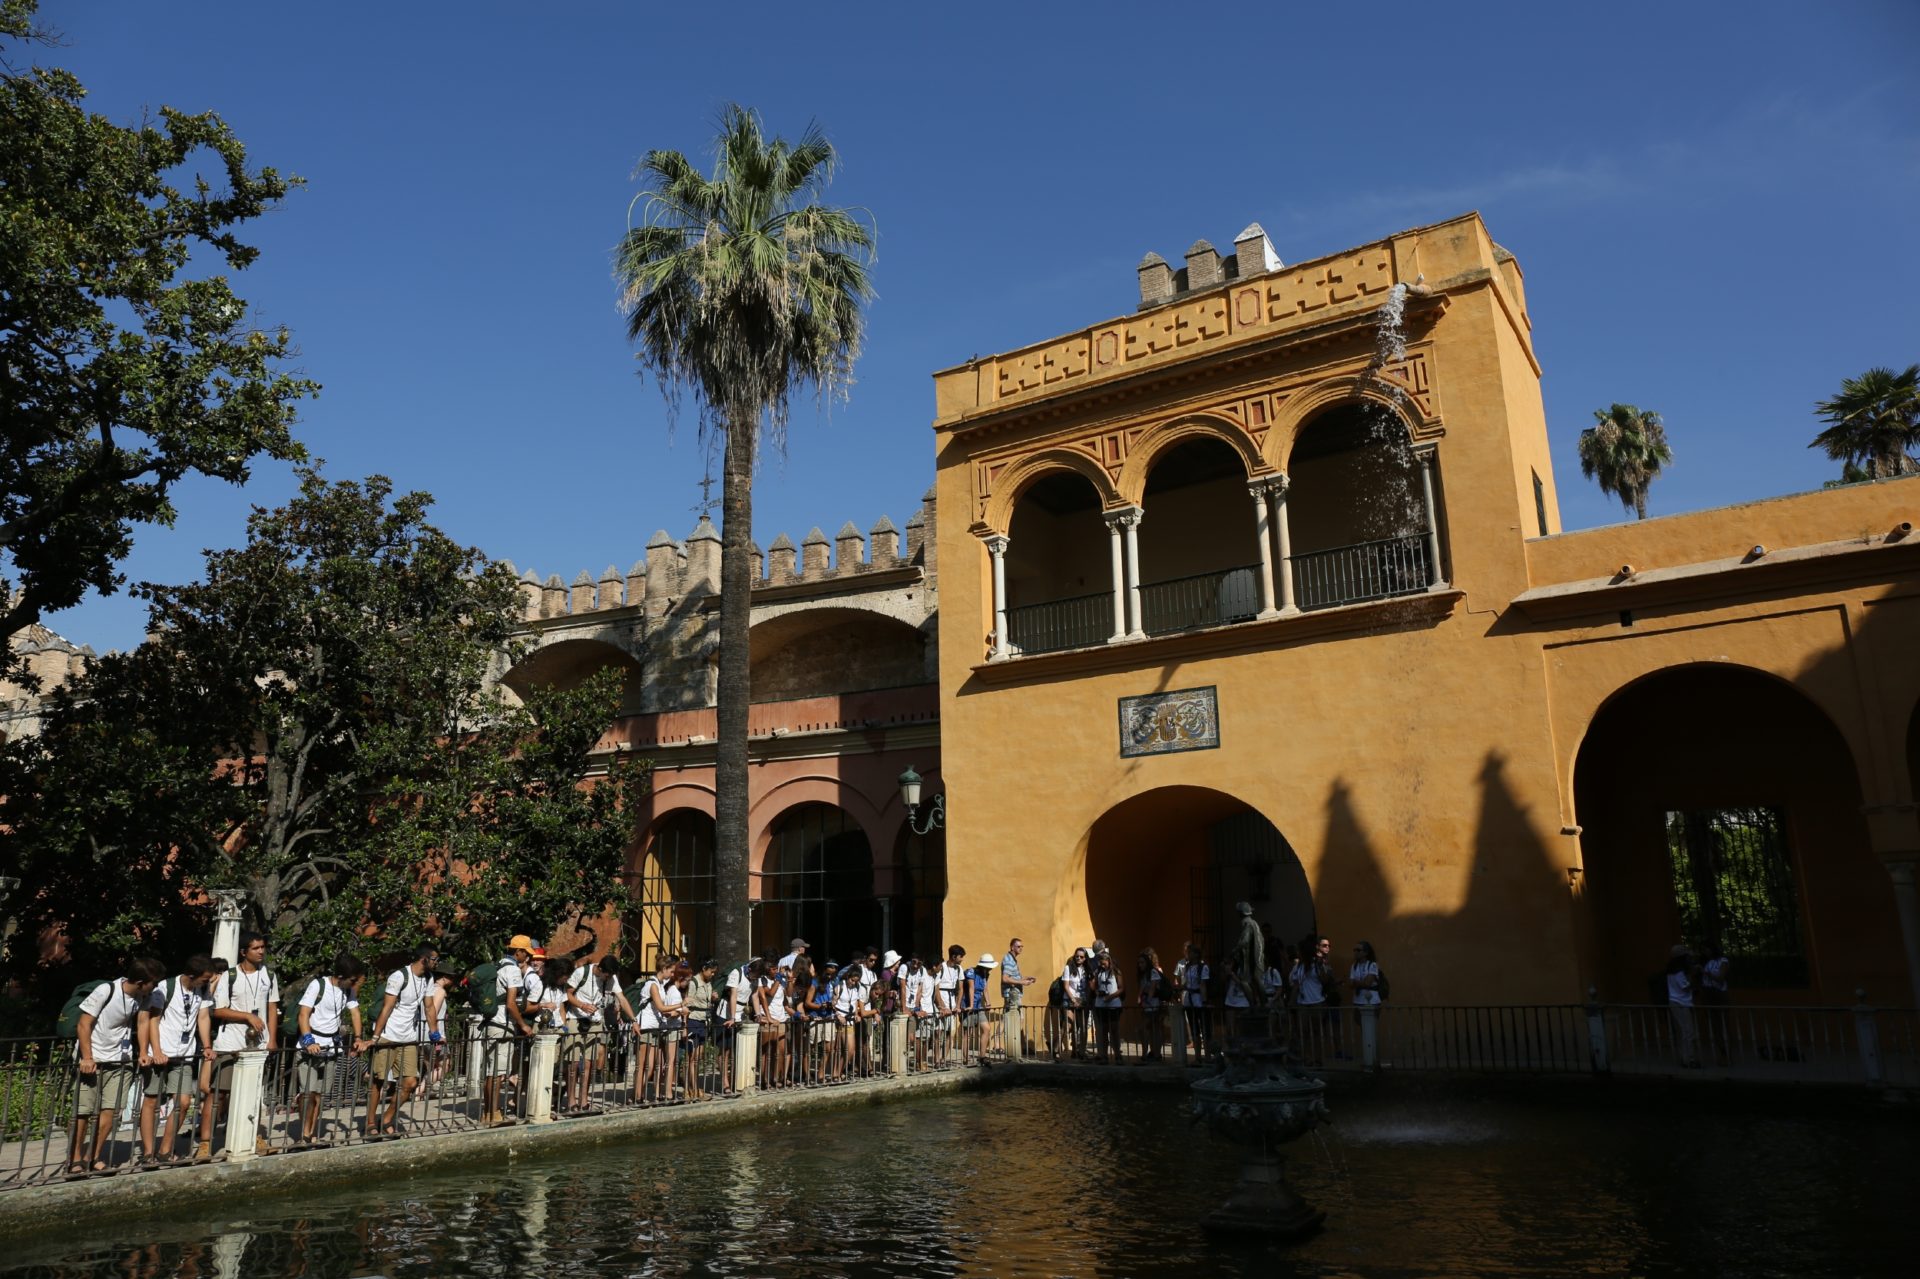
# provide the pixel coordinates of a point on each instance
(109, 1018)
(172, 1031)
(507, 1026)
(409, 1015)
(326, 1002)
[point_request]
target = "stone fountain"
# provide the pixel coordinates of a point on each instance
(1259, 1100)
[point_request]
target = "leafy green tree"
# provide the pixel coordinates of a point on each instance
(1625, 450)
(120, 373)
(313, 721)
(742, 288)
(1873, 424)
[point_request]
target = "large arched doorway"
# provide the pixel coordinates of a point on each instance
(1168, 866)
(1721, 807)
(677, 890)
(820, 885)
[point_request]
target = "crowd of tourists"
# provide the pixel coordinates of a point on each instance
(165, 1046)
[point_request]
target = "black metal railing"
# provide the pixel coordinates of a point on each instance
(1080, 622)
(1368, 571)
(1205, 599)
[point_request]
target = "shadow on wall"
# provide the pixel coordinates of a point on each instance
(1494, 946)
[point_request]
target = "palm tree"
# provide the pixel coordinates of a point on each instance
(1875, 424)
(1625, 449)
(743, 289)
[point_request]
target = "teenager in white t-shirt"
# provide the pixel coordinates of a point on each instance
(409, 1009)
(246, 1000)
(592, 989)
(173, 1030)
(327, 1006)
(770, 1012)
(107, 1058)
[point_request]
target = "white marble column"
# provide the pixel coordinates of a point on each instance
(997, 548)
(1262, 508)
(227, 906)
(1433, 515)
(1285, 538)
(1906, 903)
(1130, 521)
(1114, 538)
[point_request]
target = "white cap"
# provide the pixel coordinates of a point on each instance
(985, 960)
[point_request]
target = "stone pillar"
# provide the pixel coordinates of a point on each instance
(1906, 900)
(227, 905)
(1433, 516)
(1262, 508)
(997, 548)
(1013, 1041)
(1177, 1034)
(1285, 539)
(476, 1050)
(1130, 521)
(243, 1104)
(1119, 580)
(898, 1028)
(746, 1056)
(1369, 1036)
(542, 1057)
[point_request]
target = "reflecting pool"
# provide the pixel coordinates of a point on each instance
(1110, 1182)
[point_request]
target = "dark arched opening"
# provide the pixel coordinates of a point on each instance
(1059, 570)
(1721, 807)
(821, 885)
(1199, 554)
(1356, 509)
(677, 890)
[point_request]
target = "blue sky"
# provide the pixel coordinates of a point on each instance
(1715, 206)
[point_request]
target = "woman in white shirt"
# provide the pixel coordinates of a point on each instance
(770, 1011)
(1364, 976)
(1681, 976)
(1107, 996)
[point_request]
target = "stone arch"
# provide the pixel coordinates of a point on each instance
(815, 652)
(1012, 482)
(1301, 408)
(1156, 440)
(1722, 802)
(567, 663)
(812, 788)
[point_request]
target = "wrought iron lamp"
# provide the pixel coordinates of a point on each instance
(910, 796)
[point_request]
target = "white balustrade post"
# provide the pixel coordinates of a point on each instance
(243, 1104)
(1906, 904)
(1866, 1033)
(1597, 1032)
(228, 903)
(476, 1050)
(1262, 507)
(1285, 538)
(1369, 1036)
(1119, 580)
(898, 1028)
(997, 548)
(1177, 1048)
(746, 1056)
(1013, 1041)
(543, 1055)
(1433, 516)
(1130, 521)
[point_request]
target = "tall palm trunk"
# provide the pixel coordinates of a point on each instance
(736, 690)
(1640, 502)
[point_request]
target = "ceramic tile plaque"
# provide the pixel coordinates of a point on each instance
(1161, 723)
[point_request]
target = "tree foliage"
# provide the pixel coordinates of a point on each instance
(742, 288)
(120, 372)
(1625, 450)
(314, 721)
(1873, 424)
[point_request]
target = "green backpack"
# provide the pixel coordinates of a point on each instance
(483, 992)
(290, 1010)
(69, 1023)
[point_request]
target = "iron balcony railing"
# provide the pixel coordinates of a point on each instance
(1206, 599)
(1369, 571)
(1080, 622)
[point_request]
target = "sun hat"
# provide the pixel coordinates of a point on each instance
(519, 941)
(986, 960)
(539, 952)
(890, 960)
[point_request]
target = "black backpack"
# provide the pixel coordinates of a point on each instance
(1380, 986)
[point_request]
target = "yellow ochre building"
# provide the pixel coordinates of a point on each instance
(1260, 593)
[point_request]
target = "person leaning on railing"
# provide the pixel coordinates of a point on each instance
(106, 1060)
(508, 1029)
(324, 1005)
(172, 1031)
(243, 1002)
(409, 1017)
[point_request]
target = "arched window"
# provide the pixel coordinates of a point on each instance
(1199, 552)
(1356, 509)
(677, 890)
(1059, 575)
(822, 885)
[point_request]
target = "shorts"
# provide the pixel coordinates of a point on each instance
(821, 1032)
(980, 1018)
(176, 1080)
(500, 1051)
(772, 1030)
(112, 1081)
(696, 1030)
(223, 1070)
(402, 1060)
(923, 1028)
(318, 1074)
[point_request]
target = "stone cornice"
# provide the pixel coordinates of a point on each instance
(1403, 612)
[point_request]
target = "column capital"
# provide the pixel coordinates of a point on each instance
(1124, 517)
(997, 544)
(1905, 872)
(1426, 453)
(1269, 486)
(228, 903)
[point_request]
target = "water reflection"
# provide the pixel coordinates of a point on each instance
(1101, 1183)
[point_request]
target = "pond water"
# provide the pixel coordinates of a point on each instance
(1106, 1182)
